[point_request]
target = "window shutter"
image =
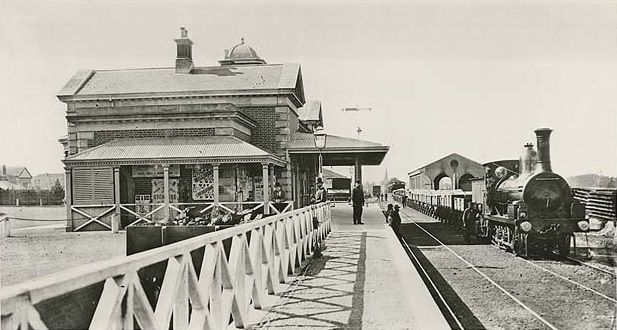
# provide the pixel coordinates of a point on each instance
(93, 186)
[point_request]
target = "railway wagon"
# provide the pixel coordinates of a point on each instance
(445, 205)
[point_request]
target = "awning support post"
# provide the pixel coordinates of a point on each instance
(68, 198)
(166, 192)
(358, 170)
(215, 174)
(265, 169)
(117, 189)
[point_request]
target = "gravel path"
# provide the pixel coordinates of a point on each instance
(33, 253)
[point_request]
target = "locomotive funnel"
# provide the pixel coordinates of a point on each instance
(544, 150)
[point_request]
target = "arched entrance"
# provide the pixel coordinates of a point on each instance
(442, 181)
(464, 182)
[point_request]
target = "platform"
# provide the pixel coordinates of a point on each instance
(363, 281)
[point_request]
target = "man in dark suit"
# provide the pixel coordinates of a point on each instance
(357, 200)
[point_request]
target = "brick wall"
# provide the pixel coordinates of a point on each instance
(242, 136)
(101, 137)
(143, 186)
(264, 135)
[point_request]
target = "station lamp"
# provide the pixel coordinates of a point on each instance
(320, 137)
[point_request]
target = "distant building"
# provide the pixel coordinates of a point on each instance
(450, 172)
(15, 177)
(338, 186)
(47, 180)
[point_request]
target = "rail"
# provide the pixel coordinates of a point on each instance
(225, 287)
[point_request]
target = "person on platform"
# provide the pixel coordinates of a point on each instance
(385, 197)
(404, 200)
(395, 220)
(357, 201)
(469, 221)
(320, 192)
(387, 212)
(278, 196)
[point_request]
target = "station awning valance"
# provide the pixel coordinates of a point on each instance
(339, 151)
(174, 150)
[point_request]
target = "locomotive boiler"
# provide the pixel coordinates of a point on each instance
(528, 207)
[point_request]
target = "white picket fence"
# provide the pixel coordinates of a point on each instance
(227, 286)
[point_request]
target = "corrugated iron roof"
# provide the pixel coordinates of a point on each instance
(306, 141)
(166, 80)
(207, 147)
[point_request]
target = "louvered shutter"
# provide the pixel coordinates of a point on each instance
(93, 186)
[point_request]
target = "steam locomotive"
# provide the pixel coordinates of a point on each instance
(522, 205)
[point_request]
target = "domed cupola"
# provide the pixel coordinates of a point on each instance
(241, 54)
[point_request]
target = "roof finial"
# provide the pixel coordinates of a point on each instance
(242, 40)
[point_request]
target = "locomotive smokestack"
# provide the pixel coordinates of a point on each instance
(544, 150)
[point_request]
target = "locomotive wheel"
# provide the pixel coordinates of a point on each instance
(563, 247)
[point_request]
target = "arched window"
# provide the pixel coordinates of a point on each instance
(442, 181)
(464, 182)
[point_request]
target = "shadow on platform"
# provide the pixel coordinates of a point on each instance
(329, 292)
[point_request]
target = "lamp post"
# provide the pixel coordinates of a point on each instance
(320, 137)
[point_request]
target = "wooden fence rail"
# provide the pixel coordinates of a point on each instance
(226, 286)
(600, 203)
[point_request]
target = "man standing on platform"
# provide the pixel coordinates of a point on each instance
(357, 199)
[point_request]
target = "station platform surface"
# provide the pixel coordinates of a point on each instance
(363, 281)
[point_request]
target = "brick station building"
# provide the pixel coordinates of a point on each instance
(145, 143)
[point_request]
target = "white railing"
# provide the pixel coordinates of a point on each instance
(225, 287)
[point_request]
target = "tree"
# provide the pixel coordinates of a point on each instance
(57, 191)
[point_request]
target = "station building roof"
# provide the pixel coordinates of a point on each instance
(215, 79)
(339, 151)
(328, 174)
(174, 150)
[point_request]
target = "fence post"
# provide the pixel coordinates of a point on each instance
(6, 226)
(115, 223)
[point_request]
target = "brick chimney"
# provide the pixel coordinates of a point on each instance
(184, 57)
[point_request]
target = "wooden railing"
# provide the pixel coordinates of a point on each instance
(227, 285)
(95, 213)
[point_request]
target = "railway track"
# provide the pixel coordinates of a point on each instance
(612, 273)
(571, 290)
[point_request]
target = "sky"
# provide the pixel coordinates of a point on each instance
(441, 76)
